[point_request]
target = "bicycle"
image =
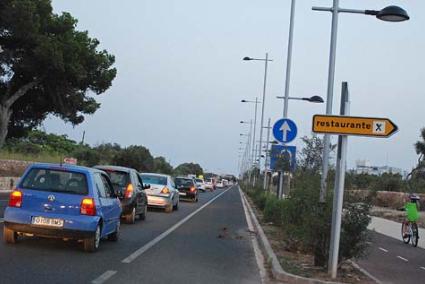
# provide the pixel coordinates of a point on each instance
(412, 234)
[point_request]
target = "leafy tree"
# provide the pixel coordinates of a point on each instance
(37, 142)
(137, 157)
(160, 165)
(107, 152)
(310, 157)
(46, 67)
(188, 168)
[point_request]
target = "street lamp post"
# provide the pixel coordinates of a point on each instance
(389, 14)
(313, 99)
(256, 102)
(266, 166)
(266, 61)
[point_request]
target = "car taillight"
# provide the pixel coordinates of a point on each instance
(192, 189)
(15, 199)
(165, 190)
(129, 191)
(88, 207)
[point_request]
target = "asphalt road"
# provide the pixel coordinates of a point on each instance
(392, 261)
(195, 244)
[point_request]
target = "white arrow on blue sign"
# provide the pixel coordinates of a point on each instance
(285, 130)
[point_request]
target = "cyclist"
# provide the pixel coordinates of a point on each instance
(412, 213)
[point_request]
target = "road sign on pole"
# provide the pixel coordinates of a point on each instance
(279, 152)
(353, 125)
(285, 130)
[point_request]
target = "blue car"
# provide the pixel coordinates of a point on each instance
(63, 201)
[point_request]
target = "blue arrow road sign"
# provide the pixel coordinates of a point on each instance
(284, 130)
(278, 151)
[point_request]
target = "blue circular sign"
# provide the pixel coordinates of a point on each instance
(285, 130)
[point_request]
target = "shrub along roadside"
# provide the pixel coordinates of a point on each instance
(306, 224)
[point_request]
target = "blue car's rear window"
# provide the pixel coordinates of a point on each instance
(55, 181)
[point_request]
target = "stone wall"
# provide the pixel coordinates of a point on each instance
(8, 183)
(12, 168)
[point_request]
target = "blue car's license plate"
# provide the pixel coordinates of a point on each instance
(48, 222)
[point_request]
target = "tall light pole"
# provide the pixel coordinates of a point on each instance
(266, 155)
(388, 14)
(256, 102)
(266, 61)
(313, 99)
(289, 59)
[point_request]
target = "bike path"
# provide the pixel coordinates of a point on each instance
(391, 261)
(393, 229)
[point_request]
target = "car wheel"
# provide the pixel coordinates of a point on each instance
(176, 207)
(131, 218)
(169, 208)
(115, 235)
(9, 236)
(92, 244)
(145, 211)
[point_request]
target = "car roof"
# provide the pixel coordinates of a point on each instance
(115, 168)
(185, 178)
(69, 167)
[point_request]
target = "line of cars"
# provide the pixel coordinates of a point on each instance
(88, 204)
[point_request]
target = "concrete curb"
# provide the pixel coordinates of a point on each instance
(271, 258)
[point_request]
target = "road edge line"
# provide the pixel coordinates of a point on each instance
(257, 251)
(104, 277)
(365, 272)
(156, 240)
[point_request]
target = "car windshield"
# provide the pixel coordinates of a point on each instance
(56, 181)
(184, 182)
(118, 178)
(199, 180)
(153, 179)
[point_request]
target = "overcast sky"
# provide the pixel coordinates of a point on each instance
(181, 78)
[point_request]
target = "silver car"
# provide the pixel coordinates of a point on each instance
(162, 192)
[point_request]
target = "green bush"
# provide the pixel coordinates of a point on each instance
(307, 223)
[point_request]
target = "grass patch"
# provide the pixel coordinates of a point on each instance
(43, 157)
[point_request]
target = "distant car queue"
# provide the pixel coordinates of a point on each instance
(87, 204)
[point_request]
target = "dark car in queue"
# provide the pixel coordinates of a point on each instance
(187, 188)
(63, 201)
(130, 190)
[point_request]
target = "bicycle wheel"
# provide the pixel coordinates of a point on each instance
(415, 235)
(405, 236)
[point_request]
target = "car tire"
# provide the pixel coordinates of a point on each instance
(145, 211)
(169, 208)
(115, 235)
(9, 236)
(176, 207)
(131, 218)
(92, 244)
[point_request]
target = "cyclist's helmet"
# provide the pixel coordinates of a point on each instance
(414, 197)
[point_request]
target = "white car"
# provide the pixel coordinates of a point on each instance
(219, 184)
(200, 184)
(209, 183)
(162, 192)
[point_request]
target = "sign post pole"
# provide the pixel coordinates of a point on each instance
(338, 197)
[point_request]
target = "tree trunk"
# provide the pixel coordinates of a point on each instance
(5, 113)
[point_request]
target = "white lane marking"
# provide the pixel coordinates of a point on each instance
(104, 277)
(402, 258)
(144, 248)
(258, 255)
(384, 250)
(423, 268)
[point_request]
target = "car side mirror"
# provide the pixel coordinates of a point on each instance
(146, 186)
